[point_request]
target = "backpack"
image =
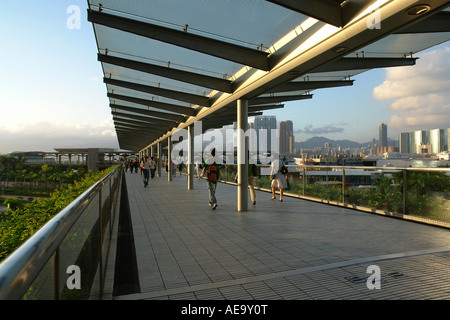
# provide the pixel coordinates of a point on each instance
(283, 168)
(213, 172)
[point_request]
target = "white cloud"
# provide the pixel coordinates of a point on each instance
(420, 93)
(47, 135)
(309, 129)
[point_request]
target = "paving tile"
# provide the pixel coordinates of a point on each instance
(292, 250)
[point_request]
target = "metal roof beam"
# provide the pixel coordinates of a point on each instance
(265, 107)
(439, 22)
(228, 51)
(128, 126)
(140, 131)
(124, 124)
(155, 104)
(140, 136)
(230, 118)
(284, 51)
(179, 75)
(252, 109)
(337, 13)
(274, 99)
(130, 144)
(172, 94)
(143, 120)
(152, 113)
(224, 120)
(140, 120)
(137, 135)
(364, 63)
(310, 85)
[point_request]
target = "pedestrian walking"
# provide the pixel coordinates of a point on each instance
(146, 170)
(252, 174)
(152, 167)
(174, 168)
(180, 167)
(277, 174)
(197, 169)
(211, 168)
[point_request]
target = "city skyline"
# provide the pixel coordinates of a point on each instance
(52, 94)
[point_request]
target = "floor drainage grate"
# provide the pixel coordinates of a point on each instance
(395, 275)
(363, 279)
(357, 279)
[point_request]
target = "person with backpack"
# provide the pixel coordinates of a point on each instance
(212, 170)
(278, 176)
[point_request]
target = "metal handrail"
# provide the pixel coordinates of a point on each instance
(304, 168)
(21, 267)
(309, 166)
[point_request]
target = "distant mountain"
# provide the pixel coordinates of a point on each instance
(315, 142)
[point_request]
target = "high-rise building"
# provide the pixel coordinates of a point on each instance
(437, 140)
(383, 135)
(286, 135)
(404, 142)
(266, 134)
(433, 141)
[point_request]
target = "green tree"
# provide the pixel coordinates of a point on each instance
(25, 220)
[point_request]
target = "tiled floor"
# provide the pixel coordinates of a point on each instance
(294, 249)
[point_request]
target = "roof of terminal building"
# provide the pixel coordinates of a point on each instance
(168, 64)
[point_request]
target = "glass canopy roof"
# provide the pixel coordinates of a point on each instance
(167, 64)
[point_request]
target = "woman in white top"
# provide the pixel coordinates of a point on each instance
(278, 179)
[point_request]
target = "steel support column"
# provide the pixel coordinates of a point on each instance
(169, 158)
(159, 158)
(190, 162)
(242, 154)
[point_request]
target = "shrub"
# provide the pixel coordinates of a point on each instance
(23, 222)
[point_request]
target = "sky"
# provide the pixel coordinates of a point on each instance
(52, 94)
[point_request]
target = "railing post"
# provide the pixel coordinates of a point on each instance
(343, 185)
(57, 275)
(304, 179)
(405, 178)
(101, 237)
(111, 209)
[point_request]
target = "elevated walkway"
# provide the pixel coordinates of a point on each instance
(294, 249)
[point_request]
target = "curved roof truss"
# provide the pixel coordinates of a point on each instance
(168, 64)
